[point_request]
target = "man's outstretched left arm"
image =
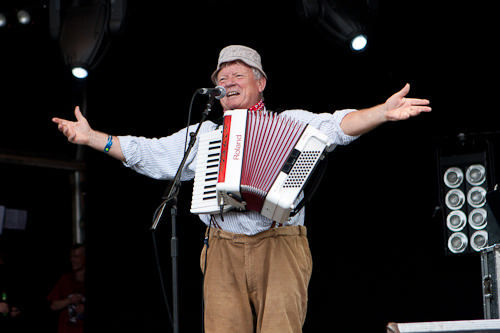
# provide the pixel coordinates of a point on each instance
(397, 107)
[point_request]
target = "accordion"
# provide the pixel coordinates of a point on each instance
(257, 161)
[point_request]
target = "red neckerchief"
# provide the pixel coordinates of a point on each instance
(258, 107)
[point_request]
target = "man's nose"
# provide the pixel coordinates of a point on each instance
(229, 82)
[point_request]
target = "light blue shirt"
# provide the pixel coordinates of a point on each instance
(160, 159)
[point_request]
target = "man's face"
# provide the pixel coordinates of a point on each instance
(242, 90)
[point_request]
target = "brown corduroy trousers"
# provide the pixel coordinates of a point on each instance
(256, 283)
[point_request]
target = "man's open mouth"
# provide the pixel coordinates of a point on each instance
(232, 93)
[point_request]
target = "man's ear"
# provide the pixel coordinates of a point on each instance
(261, 84)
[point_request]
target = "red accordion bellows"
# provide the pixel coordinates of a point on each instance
(269, 139)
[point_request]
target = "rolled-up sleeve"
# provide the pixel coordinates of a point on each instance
(160, 158)
(328, 123)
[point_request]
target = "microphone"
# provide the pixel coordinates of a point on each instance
(217, 92)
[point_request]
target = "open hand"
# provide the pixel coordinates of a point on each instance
(78, 131)
(398, 107)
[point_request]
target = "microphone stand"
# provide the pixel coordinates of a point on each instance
(171, 198)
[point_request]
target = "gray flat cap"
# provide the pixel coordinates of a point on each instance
(238, 52)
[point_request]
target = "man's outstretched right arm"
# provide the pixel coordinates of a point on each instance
(80, 132)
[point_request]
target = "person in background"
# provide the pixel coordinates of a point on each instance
(68, 295)
(10, 311)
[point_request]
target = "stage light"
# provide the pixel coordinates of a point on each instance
(23, 17)
(465, 175)
(476, 174)
(359, 43)
(3, 20)
(336, 21)
(456, 220)
(453, 177)
(455, 199)
(477, 218)
(79, 72)
(84, 30)
(476, 197)
(457, 243)
(478, 240)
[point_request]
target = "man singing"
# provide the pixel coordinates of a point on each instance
(257, 272)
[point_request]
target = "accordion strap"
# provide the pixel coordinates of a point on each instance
(313, 185)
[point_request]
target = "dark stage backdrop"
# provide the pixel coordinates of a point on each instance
(378, 253)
